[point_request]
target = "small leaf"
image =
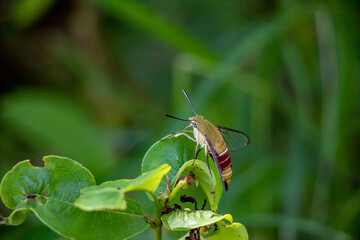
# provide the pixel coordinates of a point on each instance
(187, 219)
(149, 181)
(174, 151)
(235, 231)
(110, 195)
(16, 218)
(49, 192)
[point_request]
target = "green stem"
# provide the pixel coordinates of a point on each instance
(156, 201)
(157, 224)
(158, 232)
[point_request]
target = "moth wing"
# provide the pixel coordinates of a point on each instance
(234, 139)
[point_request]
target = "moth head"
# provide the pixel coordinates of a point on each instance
(195, 121)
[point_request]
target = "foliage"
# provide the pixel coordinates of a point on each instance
(91, 80)
(50, 192)
(63, 195)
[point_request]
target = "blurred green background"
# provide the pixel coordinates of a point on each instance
(91, 80)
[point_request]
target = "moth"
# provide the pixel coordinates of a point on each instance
(217, 141)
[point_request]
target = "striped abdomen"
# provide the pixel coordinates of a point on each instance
(226, 167)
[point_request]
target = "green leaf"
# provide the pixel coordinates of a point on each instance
(49, 192)
(187, 219)
(235, 231)
(203, 176)
(173, 151)
(149, 181)
(110, 195)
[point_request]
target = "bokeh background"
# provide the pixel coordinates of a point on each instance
(91, 80)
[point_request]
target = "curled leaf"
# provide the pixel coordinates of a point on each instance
(172, 151)
(16, 218)
(203, 176)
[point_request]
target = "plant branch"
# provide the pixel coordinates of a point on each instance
(156, 225)
(158, 232)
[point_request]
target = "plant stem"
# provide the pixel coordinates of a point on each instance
(157, 224)
(158, 232)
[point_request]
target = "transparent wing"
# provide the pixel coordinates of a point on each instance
(234, 139)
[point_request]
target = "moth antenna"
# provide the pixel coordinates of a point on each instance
(187, 97)
(181, 119)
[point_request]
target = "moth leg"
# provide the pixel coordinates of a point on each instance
(184, 134)
(176, 134)
(197, 151)
(197, 144)
(207, 157)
